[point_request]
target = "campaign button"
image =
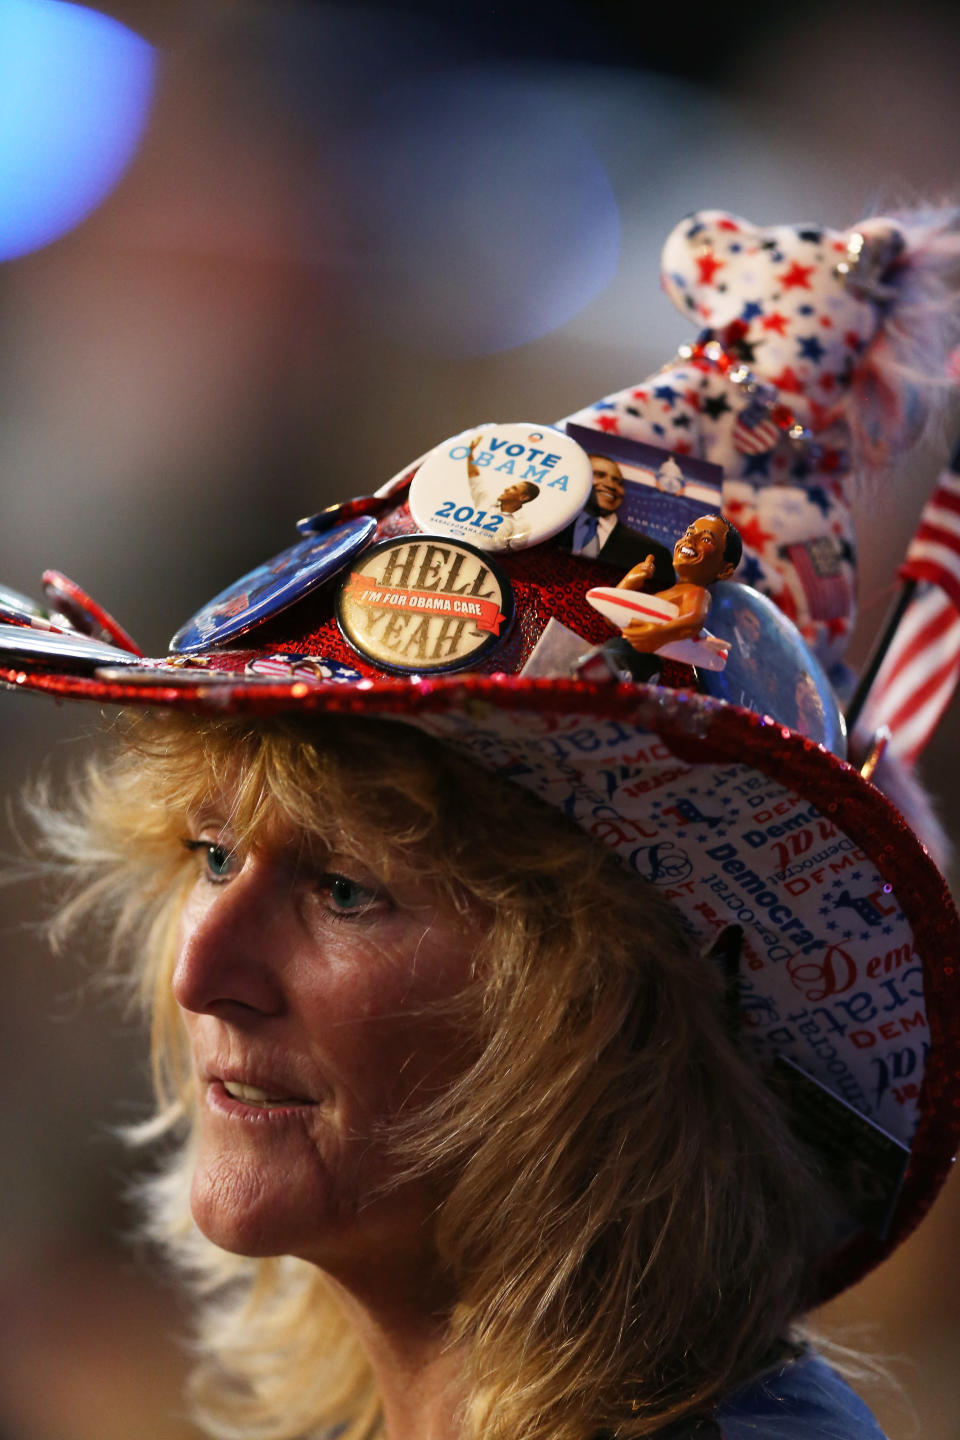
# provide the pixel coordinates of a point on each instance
(17, 609)
(421, 604)
(84, 614)
(338, 513)
(501, 487)
(58, 650)
(770, 668)
(323, 520)
(273, 586)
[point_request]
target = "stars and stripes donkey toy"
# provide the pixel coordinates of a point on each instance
(822, 356)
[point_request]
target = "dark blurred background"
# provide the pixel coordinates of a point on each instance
(254, 257)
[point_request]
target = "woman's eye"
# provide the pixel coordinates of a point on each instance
(345, 897)
(217, 860)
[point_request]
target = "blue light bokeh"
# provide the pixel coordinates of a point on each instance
(75, 92)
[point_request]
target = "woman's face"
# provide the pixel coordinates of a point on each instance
(303, 983)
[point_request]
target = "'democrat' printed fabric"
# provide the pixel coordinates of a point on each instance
(828, 954)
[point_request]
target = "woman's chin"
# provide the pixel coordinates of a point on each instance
(246, 1212)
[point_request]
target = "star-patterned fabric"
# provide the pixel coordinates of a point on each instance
(774, 301)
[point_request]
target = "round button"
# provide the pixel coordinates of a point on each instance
(501, 487)
(419, 604)
(770, 669)
(85, 615)
(17, 609)
(58, 650)
(273, 586)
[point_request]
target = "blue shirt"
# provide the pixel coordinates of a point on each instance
(805, 1400)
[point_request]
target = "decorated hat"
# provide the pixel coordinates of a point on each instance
(481, 596)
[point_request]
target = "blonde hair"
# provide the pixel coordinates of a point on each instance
(627, 1224)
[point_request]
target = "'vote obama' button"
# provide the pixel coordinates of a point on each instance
(420, 604)
(501, 487)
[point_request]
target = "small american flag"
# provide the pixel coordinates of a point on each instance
(919, 672)
(757, 438)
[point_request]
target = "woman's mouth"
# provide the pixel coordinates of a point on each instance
(250, 1102)
(253, 1095)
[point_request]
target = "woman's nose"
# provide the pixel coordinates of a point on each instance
(230, 947)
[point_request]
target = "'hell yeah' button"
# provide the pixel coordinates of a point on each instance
(501, 487)
(420, 604)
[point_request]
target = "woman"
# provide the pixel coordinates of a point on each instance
(488, 1015)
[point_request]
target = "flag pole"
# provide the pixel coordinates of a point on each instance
(879, 652)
